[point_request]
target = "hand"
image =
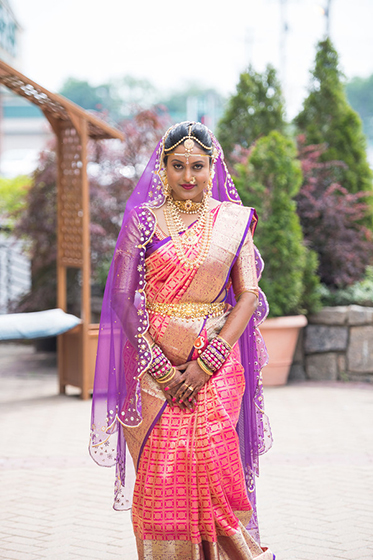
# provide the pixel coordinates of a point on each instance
(171, 388)
(193, 379)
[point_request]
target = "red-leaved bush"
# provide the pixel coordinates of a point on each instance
(331, 220)
(114, 168)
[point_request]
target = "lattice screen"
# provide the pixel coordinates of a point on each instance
(70, 198)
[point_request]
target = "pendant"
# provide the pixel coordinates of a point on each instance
(189, 238)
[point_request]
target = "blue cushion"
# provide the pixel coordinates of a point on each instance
(36, 325)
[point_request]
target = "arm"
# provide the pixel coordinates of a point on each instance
(245, 287)
(239, 317)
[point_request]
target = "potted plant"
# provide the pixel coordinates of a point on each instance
(269, 180)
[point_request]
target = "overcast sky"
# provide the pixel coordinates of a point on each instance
(173, 42)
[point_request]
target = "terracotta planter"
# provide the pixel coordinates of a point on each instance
(280, 336)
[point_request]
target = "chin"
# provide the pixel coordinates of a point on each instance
(187, 195)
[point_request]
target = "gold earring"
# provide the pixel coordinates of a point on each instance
(165, 186)
(209, 187)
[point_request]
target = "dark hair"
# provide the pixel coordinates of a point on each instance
(198, 131)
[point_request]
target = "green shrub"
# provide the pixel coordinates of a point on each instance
(13, 196)
(360, 293)
(269, 181)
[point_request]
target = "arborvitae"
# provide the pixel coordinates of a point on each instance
(269, 181)
(254, 110)
(328, 118)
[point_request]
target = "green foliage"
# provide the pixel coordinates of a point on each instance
(269, 181)
(253, 111)
(360, 293)
(13, 194)
(311, 299)
(327, 117)
(360, 94)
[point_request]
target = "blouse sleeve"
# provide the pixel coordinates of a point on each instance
(243, 273)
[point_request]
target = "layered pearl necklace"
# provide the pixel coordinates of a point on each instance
(182, 236)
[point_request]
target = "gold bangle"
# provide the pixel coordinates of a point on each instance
(253, 291)
(204, 367)
(223, 339)
(169, 375)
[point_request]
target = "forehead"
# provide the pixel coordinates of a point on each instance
(181, 151)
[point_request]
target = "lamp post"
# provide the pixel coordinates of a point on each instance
(327, 16)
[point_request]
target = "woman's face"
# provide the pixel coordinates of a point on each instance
(181, 171)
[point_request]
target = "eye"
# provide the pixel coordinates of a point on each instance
(198, 166)
(177, 166)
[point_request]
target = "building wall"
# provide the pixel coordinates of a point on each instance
(23, 128)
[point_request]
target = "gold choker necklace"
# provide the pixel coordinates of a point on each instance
(188, 206)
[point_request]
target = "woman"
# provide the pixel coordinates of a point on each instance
(173, 386)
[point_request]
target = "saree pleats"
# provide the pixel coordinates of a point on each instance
(190, 490)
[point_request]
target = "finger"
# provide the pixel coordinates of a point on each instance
(186, 396)
(182, 366)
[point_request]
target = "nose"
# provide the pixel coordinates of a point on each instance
(187, 174)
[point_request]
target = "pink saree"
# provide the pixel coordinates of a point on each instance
(190, 498)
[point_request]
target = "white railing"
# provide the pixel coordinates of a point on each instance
(15, 272)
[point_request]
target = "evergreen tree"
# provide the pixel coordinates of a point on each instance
(269, 181)
(254, 110)
(327, 117)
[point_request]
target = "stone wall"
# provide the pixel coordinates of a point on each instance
(336, 344)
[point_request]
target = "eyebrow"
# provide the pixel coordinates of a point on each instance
(192, 163)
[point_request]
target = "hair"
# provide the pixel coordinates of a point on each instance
(198, 131)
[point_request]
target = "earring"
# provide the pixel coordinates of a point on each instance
(209, 187)
(165, 186)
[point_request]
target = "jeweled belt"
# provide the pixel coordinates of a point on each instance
(186, 310)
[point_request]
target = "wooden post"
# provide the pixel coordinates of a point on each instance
(61, 269)
(86, 270)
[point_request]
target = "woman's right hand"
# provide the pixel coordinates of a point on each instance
(171, 388)
(183, 388)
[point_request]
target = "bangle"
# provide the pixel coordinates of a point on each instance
(224, 341)
(160, 365)
(254, 291)
(169, 375)
(215, 354)
(204, 367)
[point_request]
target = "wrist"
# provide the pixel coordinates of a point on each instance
(215, 355)
(204, 367)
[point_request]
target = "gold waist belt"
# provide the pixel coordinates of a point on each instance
(187, 310)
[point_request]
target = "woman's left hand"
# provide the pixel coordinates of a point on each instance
(194, 379)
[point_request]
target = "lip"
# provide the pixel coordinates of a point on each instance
(188, 187)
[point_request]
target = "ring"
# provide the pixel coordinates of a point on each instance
(190, 387)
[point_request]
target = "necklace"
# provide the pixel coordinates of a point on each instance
(184, 238)
(188, 206)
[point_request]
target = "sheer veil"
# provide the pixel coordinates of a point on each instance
(123, 353)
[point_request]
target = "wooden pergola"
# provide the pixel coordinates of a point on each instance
(73, 127)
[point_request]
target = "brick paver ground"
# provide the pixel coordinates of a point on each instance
(315, 492)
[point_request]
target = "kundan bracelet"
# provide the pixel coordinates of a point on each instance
(204, 367)
(160, 366)
(169, 375)
(214, 356)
